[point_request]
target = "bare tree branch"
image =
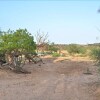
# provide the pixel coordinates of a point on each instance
(41, 38)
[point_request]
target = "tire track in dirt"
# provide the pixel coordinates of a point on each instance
(54, 81)
(76, 89)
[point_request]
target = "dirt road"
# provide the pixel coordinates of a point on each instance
(54, 80)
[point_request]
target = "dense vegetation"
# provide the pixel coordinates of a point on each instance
(95, 54)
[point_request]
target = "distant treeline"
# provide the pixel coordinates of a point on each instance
(94, 44)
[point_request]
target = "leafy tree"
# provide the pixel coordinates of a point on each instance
(19, 40)
(14, 43)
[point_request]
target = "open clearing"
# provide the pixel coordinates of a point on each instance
(57, 79)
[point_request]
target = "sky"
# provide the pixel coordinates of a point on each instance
(65, 21)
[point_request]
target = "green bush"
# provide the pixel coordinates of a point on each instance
(52, 48)
(95, 54)
(76, 49)
(55, 54)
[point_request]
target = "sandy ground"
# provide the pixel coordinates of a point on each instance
(57, 79)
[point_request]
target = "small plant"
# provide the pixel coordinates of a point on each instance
(55, 54)
(88, 72)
